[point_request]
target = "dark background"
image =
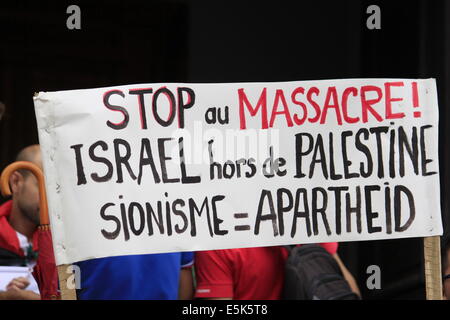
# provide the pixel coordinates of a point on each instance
(213, 41)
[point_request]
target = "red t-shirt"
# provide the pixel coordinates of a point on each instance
(243, 274)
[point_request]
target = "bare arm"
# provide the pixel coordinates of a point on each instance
(186, 289)
(347, 275)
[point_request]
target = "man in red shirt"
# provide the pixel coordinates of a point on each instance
(248, 273)
(19, 219)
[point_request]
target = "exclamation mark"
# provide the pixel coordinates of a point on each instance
(415, 98)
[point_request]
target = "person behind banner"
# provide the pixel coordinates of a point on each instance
(165, 276)
(19, 219)
(249, 273)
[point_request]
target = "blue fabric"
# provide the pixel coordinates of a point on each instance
(137, 277)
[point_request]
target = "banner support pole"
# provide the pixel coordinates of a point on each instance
(67, 290)
(433, 273)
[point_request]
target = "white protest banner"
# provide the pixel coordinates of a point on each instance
(153, 168)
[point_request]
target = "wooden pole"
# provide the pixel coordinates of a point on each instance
(67, 291)
(433, 274)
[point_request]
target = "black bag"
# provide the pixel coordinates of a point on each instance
(311, 273)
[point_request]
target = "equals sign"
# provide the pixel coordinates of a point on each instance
(241, 227)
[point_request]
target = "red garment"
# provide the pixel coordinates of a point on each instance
(8, 236)
(243, 274)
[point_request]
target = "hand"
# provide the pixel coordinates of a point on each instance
(15, 290)
(18, 284)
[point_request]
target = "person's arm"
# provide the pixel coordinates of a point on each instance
(18, 294)
(186, 289)
(15, 290)
(347, 275)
